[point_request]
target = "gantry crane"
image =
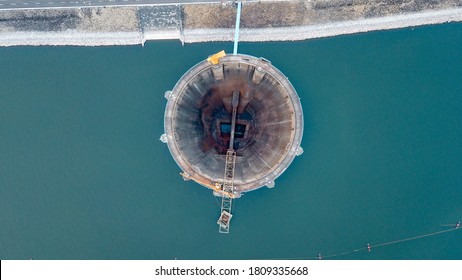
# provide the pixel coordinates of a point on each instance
(227, 192)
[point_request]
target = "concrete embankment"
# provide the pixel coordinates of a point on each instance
(300, 20)
(294, 33)
(265, 21)
(89, 26)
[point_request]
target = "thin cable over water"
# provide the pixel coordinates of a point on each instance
(370, 246)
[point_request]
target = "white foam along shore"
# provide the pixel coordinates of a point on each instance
(82, 38)
(70, 38)
(294, 33)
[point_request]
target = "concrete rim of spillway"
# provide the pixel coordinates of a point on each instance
(275, 114)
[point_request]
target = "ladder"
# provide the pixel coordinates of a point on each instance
(228, 188)
(228, 178)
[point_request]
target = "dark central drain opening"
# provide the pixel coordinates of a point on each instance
(225, 129)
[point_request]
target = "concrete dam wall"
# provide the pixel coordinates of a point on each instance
(261, 21)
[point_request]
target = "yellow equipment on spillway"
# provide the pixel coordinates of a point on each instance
(215, 59)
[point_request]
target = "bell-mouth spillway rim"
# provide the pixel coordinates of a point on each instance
(278, 169)
(272, 173)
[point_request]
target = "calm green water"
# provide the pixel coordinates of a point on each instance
(83, 175)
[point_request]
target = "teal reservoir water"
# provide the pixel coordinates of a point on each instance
(84, 176)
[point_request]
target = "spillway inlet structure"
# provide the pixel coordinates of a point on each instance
(233, 124)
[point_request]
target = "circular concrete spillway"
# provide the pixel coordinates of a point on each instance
(268, 130)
